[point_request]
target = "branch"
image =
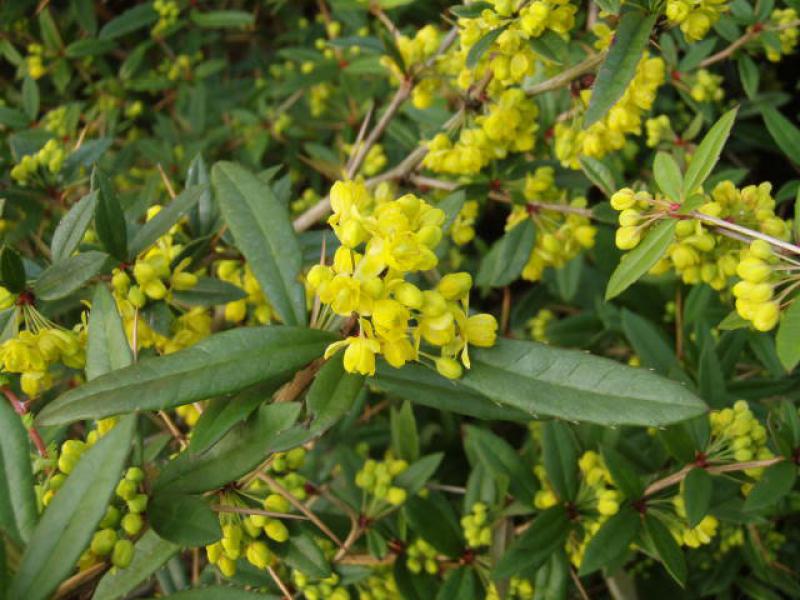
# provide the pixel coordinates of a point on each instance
(748, 36)
(566, 76)
(679, 476)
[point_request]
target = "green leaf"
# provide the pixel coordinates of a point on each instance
(220, 364)
(649, 343)
(107, 346)
(697, 488)
(560, 457)
(263, 232)
(403, 426)
(542, 380)
(218, 592)
(499, 458)
(748, 75)
(480, 47)
(537, 543)
(599, 174)
(641, 259)
(777, 481)
(109, 220)
(623, 473)
(135, 18)
(242, 449)
(611, 540)
(12, 271)
(550, 45)
(69, 274)
(707, 153)
(219, 19)
(209, 292)
(30, 97)
(151, 552)
(332, 393)
(630, 41)
(71, 519)
(460, 584)
(471, 10)
(668, 176)
(783, 131)
(787, 341)
(302, 553)
(507, 256)
(666, 548)
(183, 520)
(435, 522)
(205, 214)
(72, 227)
(425, 386)
(414, 478)
(18, 512)
(89, 47)
(148, 234)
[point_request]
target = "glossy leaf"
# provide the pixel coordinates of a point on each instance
(107, 346)
(220, 364)
(500, 458)
(162, 222)
(542, 380)
(777, 481)
(131, 20)
(697, 488)
(623, 473)
(668, 176)
(611, 540)
(302, 553)
(414, 478)
(480, 47)
(667, 548)
(68, 275)
(435, 522)
(787, 341)
(263, 232)
(784, 132)
(649, 343)
(109, 220)
(332, 393)
(507, 257)
(560, 457)
(70, 520)
(183, 520)
(209, 292)
(641, 259)
(218, 592)
(460, 584)
(12, 271)
(535, 545)
(405, 439)
(706, 155)
(219, 19)
(72, 227)
(630, 41)
(598, 174)
(18, 512)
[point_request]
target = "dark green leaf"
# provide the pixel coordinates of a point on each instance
(707, 153)
(109, 220)
(641, 259)
(107, 346)
(560, 457)
(748, 75)
(667, 548)
(218, 592)
(70, 520)
(89, 47)
(209, 292)
(138, 17)
(204, 215)
(460, 584)
(69, 274)
(777, 481)
(500, 458)
(218, 19)
(697, 488)
(72, 227)
(784, 132)
(542, 380)
(414, 478)
(471, 10)
(668, 176)
(480, 47)
(617, 71)
(623, 473)
(263, 232)
(30, 97)
(611, 540)
(183, 520)
(332, 394)
(405, 439)
(148, 234)
(435, 522)
(220, 364)
(12, 271)
(649, 343)
(550, 45)
(150, 555)
(507, 256)
(18, 512)
(537, 543)
(302, 553)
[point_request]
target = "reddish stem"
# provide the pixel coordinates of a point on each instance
(21, 408)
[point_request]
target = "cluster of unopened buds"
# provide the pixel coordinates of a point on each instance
(255, 303)
(398, 238)
(49, 159)
(377, 479)
(477, 526)
(420, 555)
(695, 17)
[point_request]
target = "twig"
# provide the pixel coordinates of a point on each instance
(749, 35)
(566, 76)
(241, 510)
(276, 578)
(73, 583)
(577, 581)
(679, 476)
(301, 380)
(173, 429)
(751, 233)
(21, 408)
(165, 179)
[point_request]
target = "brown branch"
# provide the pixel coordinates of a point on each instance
(679, 476)
(279, 582)
(22, 409)
(302, 379)
(566, 76)
(748, 36)
(73, 583)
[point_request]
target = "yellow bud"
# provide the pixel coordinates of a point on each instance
(628, 238)
(624, 198)
(448, 367)
(454, 286)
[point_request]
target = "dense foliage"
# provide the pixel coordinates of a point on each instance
(387, 299)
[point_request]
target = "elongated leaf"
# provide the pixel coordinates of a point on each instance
(417, 474)
(707, 153)
(71, 518)
(623, 473)
(204, 215)
(667, 548)
(30, 97)
(748, 75)
(218, 592)
(168, 216)
(784, 132)
(697, 488)
(535, 546)
(138, 17)
(560, 456)
(668, 176)
(480, 47)
(507, 257)
(777, 481)
(787, 341)
(649, 343)
(500, 458)
(70, 229)
(332, 394)
(183, 520)
(217, 19)
(150, 555)
(263, 232)
(424, 386)
(209, 292)
(619, 67)
(405, 438)
(641, 259)
(107, 346)
(242, 449)
(460, 584)
(611, 540)
(109, 220)
(435, 522)
(17, 500)
(302, 553)
(68, 275)
(220, 364)
(12, 271)
(598, 174)
(542, 380)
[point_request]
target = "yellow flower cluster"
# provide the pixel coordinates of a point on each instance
(707, 87)
(329, 588)
(318, 96)
(695, 17)
(509, 125)
(55, 121)
(421, 555)
(241, 275)
(415, 52)
(377, 478)
(755, 292)
(658, 130)
(736, 434)
(625, 117)
(380, 585)
(693, 537)
(398, 237)
(463, 229)
(33, 62)
(239, 540)
(33, 352)
(788, 35)
(50, 158)
(168, 12)
(538, 325)
(477, 526)
(518, 589)
(374, 161)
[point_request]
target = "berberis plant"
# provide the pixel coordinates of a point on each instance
(381, 299)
